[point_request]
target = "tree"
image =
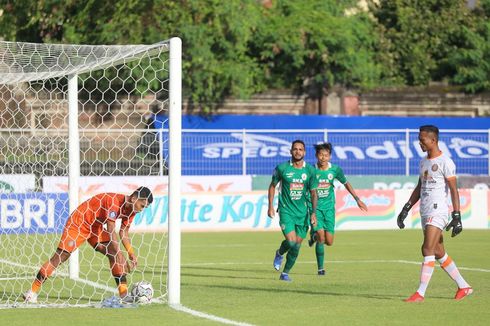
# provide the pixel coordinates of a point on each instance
(470, 62)
(433, 40)
(313, 45)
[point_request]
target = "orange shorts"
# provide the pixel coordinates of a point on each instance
(77, 231)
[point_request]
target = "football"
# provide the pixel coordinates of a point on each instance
(142, 292)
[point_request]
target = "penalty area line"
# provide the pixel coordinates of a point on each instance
(204, 315)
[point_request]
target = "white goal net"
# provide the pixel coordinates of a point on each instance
(75, 121)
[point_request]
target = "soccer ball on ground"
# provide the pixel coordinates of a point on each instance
(142, 292)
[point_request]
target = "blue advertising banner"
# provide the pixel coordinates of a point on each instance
(281, 121)
(33, 213)
(361, 145)
(357, 152)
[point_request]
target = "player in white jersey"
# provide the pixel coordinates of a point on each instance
(434, 190)
(437, 175)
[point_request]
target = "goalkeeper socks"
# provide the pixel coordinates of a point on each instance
(45, 271)
(122, 285)
(291, 257)
(122, 288)
(449, 266)
(320, 254)
(426, 273)
(286, 246)
(36, 285)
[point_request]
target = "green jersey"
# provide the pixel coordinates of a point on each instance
(296, 184)
(325, 190)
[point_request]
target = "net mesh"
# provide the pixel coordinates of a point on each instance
(119, 89)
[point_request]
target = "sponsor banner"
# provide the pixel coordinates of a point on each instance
(33, 213)
(474, 182)
(239, 211)
(90, 186)
(380, 214)
(360, 152)
(17, 183)
(211, 212)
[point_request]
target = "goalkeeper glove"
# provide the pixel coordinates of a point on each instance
(403, 215)
(455, 224)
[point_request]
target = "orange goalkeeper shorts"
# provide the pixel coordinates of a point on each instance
(77, 231)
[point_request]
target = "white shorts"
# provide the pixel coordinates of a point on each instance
(440, 221)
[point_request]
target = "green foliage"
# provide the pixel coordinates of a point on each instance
(433, 40)
(216, 37)
(471, 60)
(312, 45)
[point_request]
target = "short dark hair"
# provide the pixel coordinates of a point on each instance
(143, 193)
(299, 141)
(323, 146)
(430, 128)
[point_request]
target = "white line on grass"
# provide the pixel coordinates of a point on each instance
(80, 280)
(207, 316)
(335, 262)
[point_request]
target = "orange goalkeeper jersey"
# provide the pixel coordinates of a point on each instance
(103, 207)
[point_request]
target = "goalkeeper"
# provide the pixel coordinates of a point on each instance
(437, 174)
(87, 223)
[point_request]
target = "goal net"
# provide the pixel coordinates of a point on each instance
(75, 121)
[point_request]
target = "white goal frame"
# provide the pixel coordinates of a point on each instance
(174, 168)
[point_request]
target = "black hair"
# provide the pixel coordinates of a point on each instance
(143, 193)
(430, 128)
(325, 146)
(299, 141)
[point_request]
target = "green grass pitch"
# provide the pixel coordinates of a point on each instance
(369, 273)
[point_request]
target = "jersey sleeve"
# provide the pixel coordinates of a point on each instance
(276, 176)
(341, 176)
(449, 169)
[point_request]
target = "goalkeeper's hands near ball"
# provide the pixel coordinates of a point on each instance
(455, 224)
(131, 262)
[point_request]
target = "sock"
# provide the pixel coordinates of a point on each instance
(122, 288)
(285, 246)
(426, 273)
(36, 285)
(122, 285)
(291, 257)
(45, 271)
(320, 254)
(450, 267)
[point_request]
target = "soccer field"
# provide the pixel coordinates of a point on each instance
(369, 273)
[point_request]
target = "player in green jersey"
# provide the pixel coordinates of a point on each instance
(326, 173)
(297, 179)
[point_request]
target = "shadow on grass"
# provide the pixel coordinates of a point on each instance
(296, 291)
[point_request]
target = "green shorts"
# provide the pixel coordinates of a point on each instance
(289, 223)
(325, 220)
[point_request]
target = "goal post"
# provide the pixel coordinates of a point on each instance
(74, 122)
(175, 153)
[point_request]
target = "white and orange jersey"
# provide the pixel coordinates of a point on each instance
(434, 190)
